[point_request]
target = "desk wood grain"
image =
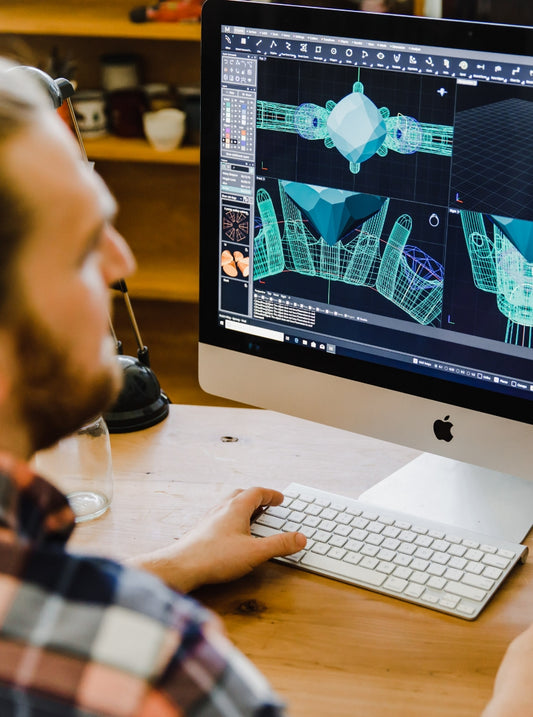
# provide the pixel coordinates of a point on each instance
(328, 648)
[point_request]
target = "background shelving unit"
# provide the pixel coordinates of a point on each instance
(157, 192)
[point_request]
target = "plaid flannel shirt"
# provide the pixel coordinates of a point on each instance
(84, 636)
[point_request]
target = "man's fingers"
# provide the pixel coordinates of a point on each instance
(255, 498)
(280, 544)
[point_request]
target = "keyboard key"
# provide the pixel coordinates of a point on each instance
(401, 572)
(355, 545)
(419, 564)
(337, 553)
(353, 558)
(397, 585)
(449, 601)
(465, 608)
(298, 505)
(270, 520)
(472, 554)
(339, 507)
(307, 497)
(441, 558)
(291, 492)
(414, 590)
(385, 554)
(353, 510)
(296, 557)
(423, 541)
(477, 581)
(453, 574)
(471, 543)
(327, 525)
(418, 529)
(390, 543)
(360, 522)
(358, 534)
(463, 590)
(371, 550)
(375, 526)
(505, 553)
(278, 511)
(436, 583)
(476, 568)
(291, 527)
(407, 536)
(495, 561)
(424, 553)
(458, 563)
(355, 572)
(391, 532)
(343, 530)
(436, 569)
(262, 531)
(402, 559)
(440, 545)
(493, 573)
(313, 509)
(322, 536)
(307, 531)
(458, 550)
(368, 562)
(344, 518)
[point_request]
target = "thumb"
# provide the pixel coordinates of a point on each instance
(280, 544)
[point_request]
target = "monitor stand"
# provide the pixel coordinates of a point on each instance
(461, 494)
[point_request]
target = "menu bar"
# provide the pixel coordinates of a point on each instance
(419, 59)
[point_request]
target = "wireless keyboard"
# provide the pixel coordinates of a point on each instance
(431, 564)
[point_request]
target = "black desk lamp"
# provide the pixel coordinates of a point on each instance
(141, 402)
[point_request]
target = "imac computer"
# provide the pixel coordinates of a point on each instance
(366, 241)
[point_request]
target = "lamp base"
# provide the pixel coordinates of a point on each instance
(141, 403)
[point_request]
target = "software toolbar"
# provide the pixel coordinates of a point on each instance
(385, 56)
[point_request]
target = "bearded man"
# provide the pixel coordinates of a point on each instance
(82, 636)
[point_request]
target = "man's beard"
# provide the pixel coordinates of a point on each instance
(55, 397)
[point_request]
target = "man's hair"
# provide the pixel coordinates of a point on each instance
(21, 103)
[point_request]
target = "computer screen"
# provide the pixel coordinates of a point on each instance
(366, 243)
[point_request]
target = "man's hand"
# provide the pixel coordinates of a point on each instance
(513, 688)
(221, 547)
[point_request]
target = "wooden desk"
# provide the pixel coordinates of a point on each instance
(328, 648)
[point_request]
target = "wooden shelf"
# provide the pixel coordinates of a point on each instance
(158, 204)
(117, 149)
(88, 19)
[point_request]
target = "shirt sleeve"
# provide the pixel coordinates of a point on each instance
(209, 677)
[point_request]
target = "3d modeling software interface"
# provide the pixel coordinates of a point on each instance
(375, 202)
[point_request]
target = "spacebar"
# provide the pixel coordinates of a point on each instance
(345, 571)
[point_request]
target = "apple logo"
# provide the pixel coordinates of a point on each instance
(443, 429)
